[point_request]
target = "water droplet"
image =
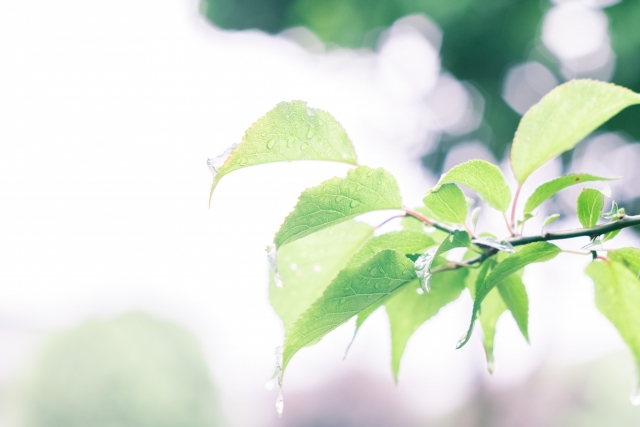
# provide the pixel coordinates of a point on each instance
(317, 268)
(419, 291)
(216, 163)
(461, 341)
(293, 266)
(270, 385)
(280, 404)
(263, 134)
(374, 271)
(304, 146)
(310, 133)
(354, 203)
(272, 257)
(342, 301)
(635, 394)
(606, 191)
(490, 366)
(291, 141)
(423, 268)
(271, 143)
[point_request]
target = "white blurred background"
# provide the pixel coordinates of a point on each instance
(108, 113)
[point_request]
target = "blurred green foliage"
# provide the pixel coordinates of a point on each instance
(134, 371)
(482, 40)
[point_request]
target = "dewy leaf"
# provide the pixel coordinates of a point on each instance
(590, 204)
(514, 295)
(630, 257)
(409, 309)
(339, 199)
(533, 252)
(353, 290)
(457, 239)
(563, 118)
(551, 188)
(447, 203)
(308, 266)
(618, 298)
(291, 131)
(485, 178)
(405, 241)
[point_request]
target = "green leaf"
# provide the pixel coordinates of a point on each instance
(630, 257)
(590, 204)
(548, 220)
(484, 178)
(339, 199)
(551, 188)
(447, 203)
(353, 290)
(531, 253)
(618, 298)
(405, 241)
(409, 309)
(615, 214)
(291, 131)
(307, 266)
(563, 118)
(457, 239)
(492, 308)
(514, 295)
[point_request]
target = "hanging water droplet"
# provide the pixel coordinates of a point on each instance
(461, 341)
(635, 392)
(354, 203)
(293, 266)
(490, 366)
(216, 163)
(272, 257)
(423, 268)
(280, 404)
(271, 143)
(419, 291)
(606, 191)
(310, 133)
(317, 268)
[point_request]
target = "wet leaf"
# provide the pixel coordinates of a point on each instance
(563, 118)
(353, 290)
(340, 199)
(291, 131)
(630, 257)
(447, 203)
(484, 178)
(405, 241)
(457, 239)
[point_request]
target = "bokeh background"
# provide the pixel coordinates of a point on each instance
(126, 301)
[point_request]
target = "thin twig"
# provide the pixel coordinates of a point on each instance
(512, 227)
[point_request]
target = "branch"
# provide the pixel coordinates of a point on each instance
(592, 232)
(427, 221)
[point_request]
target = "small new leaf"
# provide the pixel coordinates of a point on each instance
(447, 203)
(551, 188)
(353, 290)
(405, 241)
(339, 199)
(548, 220)
(531, 253)
(291, 131)
(563, 118)
(484, 178)
(590, 204)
